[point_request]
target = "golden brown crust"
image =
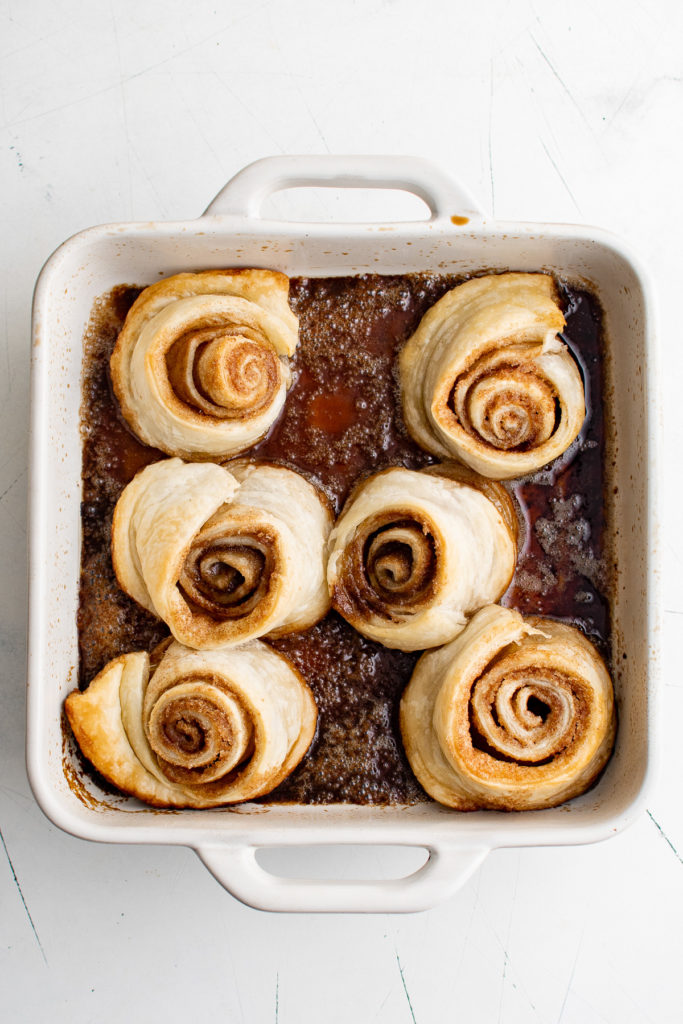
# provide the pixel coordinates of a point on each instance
(95, 719)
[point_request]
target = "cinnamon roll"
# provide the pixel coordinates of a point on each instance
(415, 552)
(485, 377)
(221, 555)
(200, 367)
(199, 729)
(514, 714)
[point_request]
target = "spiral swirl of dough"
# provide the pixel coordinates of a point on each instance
(485, 377)
(200, 367)
(414, 552)
(199, 729)
(223, 556)
(514, 714)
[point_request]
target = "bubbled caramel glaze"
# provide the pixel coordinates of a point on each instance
(342, 421)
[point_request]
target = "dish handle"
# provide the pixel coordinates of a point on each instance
(244, 195)
(238, 871)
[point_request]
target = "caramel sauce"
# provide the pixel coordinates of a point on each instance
(342, 421)
(333, 413)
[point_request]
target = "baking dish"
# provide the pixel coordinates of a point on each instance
(457, 238)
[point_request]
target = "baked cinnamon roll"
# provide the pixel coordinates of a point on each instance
(223, 556)
(485, 377)
(199, 729)
(415, 552)
(200, 367)
(514, 714)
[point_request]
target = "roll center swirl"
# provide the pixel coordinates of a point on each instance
(227, 577)
(400, 562)
(230, 574)
(527, 715)
(224, 372)
(184, 733)
(198, 731)
(505, 401)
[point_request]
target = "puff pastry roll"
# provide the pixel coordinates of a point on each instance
(221, 555)
(200, 367)
(485, 377)
(514, 714)
(199, 729)
(415, 552)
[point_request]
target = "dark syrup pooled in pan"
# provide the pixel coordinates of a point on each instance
(342, 420)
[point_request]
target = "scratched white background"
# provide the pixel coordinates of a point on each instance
(142, 110)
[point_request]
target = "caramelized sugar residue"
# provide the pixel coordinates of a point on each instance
(341, 421)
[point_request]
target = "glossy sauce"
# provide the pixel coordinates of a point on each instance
(341, 421)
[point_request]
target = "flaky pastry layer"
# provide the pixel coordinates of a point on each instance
(223, 556)
(415, 552)
(201, 366)
(201, 729)
(514, 714)
(485, 377)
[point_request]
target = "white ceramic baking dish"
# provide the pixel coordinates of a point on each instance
(231, 233)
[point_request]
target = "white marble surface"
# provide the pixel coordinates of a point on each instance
(142, 110)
